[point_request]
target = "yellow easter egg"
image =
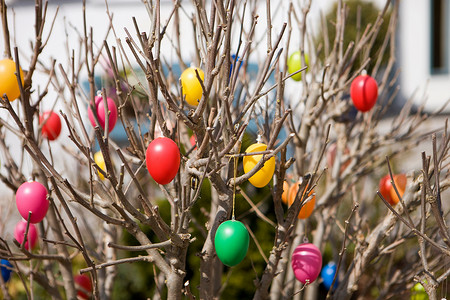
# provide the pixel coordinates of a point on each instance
(8, 79)
(265, 174)
(192, 88)
(100, 161)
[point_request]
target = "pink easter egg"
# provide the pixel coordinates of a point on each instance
(32, 197)
(19, 234)
(100, 106)
(306, 262)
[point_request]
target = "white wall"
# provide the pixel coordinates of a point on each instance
(414, 56)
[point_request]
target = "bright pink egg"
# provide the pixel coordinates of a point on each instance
(306, 262)
(32, 197)
(19, 234)
(100, 106)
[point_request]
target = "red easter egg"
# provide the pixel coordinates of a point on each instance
(400, 183)
(192, 140)
(83, 285)
(100, 106)
(387, 189)
(51, 125)
(364, 92)
(306, 262)
(163, 159)
(19, 234)
(32, 197)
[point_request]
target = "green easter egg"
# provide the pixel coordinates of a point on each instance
(418, 292)
(231, 242)
(294, 64)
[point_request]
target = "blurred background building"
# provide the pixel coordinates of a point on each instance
(422, 52)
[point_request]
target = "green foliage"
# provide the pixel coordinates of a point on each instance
(136, 280)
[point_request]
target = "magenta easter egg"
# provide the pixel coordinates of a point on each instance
(19, 234)
(100, 107)
(163, 159)
(306, 262)
(31, 197)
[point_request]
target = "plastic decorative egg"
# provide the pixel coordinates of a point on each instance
(294, 64)
(418, 292)
(6, 268)
(163, 160)
(19, 234)
(327, 274)
(233, 59)
(231, 242)
(193, 140)
(31, 197)
(83, 285)
(8, 79)
(265, 174)
(306, 262)
(100, 161)
(100, 107)
(400, 182)
(387, 189)
(308, 208)
(364, 92)
(51, 125)
(285, 194)
(191, 86)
